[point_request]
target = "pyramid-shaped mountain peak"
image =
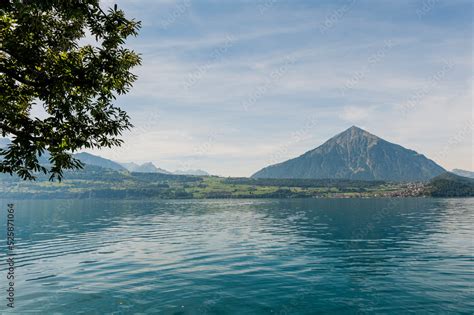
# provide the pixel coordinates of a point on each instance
(356, 131)
(356, 154)
(352, 136)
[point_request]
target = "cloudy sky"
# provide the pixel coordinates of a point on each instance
(232, 86)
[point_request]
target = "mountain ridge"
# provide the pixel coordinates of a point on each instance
(147, 167)
(356, 154)
(451, 185)
(91, 159)
(463, 173)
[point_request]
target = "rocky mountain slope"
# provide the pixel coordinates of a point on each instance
(356, 154)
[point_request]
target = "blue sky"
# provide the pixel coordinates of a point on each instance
(232, 86)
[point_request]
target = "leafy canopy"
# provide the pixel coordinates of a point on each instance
(44, 61)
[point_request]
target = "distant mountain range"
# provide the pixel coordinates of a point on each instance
(352, 154)
(91, 159)
(356, 154)
(144, 168)
(86, 158)
(463, 173)
(148, 167)
(94, 160)
(151, 168)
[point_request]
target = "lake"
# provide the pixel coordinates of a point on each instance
(289, 256)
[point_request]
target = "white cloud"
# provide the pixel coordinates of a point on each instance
(357, 114)
(323, 64)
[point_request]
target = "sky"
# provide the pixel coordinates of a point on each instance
(233, 86)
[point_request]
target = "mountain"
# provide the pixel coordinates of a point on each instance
(356, 154)
(130, 166)
(191, 172)
(144, 168)
(95, 160)
(84, 157)
(151, 168)
(451, 185)
(463, 173)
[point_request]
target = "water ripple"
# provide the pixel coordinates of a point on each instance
(244, 256)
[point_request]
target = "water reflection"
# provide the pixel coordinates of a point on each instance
(237, 256)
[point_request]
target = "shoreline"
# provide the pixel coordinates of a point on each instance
(45, 198)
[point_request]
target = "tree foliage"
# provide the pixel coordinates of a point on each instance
(69, 57)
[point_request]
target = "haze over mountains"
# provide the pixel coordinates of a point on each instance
(149, 167)
(352, 154)
(91, 159)
(463, 173)
(144, 168)
(95, 160)
(197, 172)
(356, 154)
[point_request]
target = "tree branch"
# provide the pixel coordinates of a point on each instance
(17, 77)
(18, 133)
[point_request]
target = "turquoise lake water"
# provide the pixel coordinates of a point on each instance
(351, 256)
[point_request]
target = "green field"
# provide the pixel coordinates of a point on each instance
(96, 182)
